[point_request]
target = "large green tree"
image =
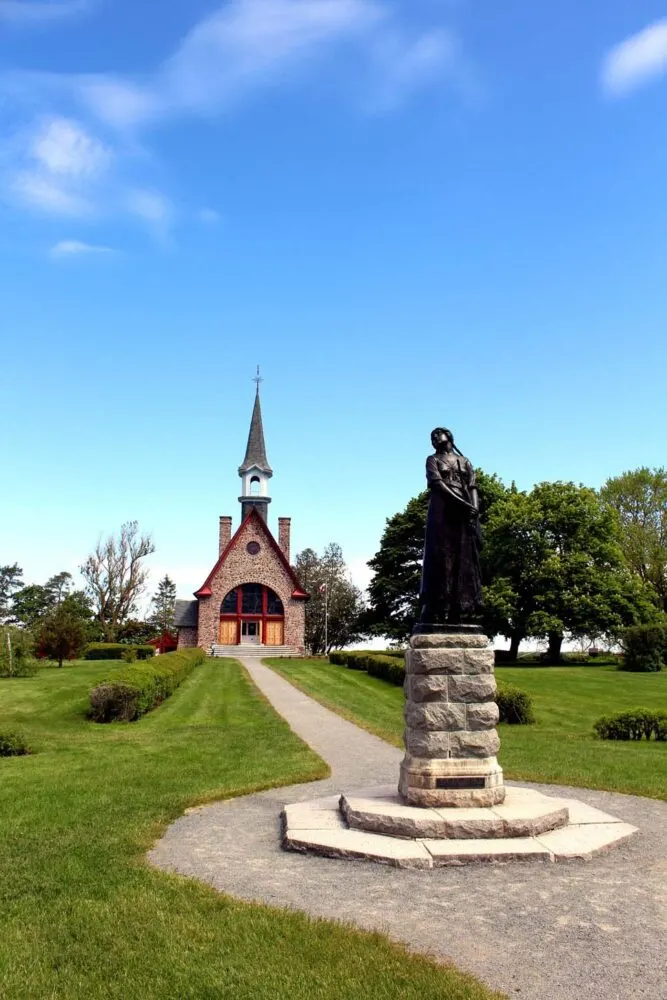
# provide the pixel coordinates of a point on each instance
(393, 593)
(33, 602)
(335, 601)
(61, 633)
(556, 568)
(116, 577)
(640, 501)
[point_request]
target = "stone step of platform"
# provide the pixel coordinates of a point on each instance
(251, 650)
(319, 827)
(524, 813)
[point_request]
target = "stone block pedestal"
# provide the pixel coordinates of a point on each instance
(450, 717)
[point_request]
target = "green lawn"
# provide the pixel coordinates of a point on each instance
(560, 748)
(81, 913)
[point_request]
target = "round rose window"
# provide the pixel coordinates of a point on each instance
(252, 548)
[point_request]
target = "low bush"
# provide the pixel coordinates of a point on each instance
(645, 648)
(137, 688)
(116, 651)
(514, 705)
(633, 725)
(13, 744)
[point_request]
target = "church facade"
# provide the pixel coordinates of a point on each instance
(252, 596)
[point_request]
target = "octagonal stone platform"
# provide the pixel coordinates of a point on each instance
(375, 825)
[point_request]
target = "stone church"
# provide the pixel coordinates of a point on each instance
(252, 596)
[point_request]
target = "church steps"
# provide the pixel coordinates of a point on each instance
(246, 649)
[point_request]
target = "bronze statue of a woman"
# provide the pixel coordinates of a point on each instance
(451, 588)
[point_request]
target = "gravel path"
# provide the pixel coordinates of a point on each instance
(592, 930)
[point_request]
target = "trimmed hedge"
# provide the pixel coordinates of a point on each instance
(135, 689)
(514, 705)
(13, 744)
(645, 648)
(634, 725)
(115, 651)
(388, 667)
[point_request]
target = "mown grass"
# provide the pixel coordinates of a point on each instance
(561, 747)
(83, 917)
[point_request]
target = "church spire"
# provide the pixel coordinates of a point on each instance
(255, 470)
(255, 453)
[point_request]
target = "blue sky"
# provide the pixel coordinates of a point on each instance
(410, 213)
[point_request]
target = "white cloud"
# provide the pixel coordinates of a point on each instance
(26, 12)
(63, 146)
(637, 60)
(247, 42)
(242, 48)
(405, 66)
(56, 167)
(208, 216)
(150, 206)
(73, 248)
(36, 191)
(247, 45)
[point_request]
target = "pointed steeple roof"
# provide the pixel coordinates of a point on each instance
(255, 453)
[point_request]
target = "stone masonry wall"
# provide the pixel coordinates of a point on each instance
(240, 567)
(225, 533)
(187, 638)
(284, 525)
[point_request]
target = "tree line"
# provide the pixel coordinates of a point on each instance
(559, 561)
(62, 619)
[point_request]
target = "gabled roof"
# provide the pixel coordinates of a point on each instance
(299, 593)
(186, 614)
(255, 453)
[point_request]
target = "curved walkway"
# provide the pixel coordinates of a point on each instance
(593, 930)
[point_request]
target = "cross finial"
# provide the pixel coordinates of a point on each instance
(257, 379)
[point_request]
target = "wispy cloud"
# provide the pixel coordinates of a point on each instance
(57, 167)
(75, 248)
(637, 60)
(208, 216)
(246, 46)
(29, 12)
(241, 49)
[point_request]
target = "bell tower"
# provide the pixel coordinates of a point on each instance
(255, 470)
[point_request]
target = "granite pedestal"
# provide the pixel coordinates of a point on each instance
(450, 718)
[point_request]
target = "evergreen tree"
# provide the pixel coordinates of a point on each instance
(163, 604)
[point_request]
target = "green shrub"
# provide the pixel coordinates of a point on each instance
(115, 651)
(339, 658)
(13, 744)
(514, 705)
(645, 648)
(129, 655)
(633, 725)
(388, 668)
(137, 688)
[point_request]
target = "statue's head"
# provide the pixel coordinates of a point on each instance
(440, 437)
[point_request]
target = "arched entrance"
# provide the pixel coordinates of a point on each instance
(252, 614)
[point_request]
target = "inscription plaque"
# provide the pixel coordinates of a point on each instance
(462, 782)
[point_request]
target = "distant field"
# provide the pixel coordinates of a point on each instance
(83, 917)
(559, 748)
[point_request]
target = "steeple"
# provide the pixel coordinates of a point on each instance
(255, 453)
(255, 470)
